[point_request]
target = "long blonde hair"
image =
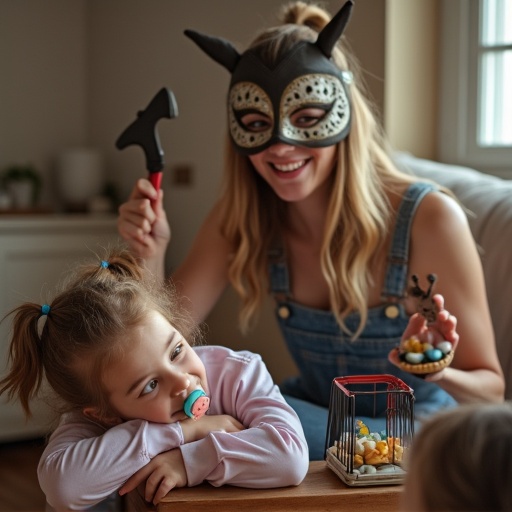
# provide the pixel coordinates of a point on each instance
(358, 213)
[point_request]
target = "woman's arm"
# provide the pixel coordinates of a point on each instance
(442, 244)
(143, 224)
(203, 275)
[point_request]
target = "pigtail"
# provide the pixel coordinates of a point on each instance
(122, 264)
(25, 356)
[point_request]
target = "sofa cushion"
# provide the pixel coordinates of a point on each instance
(489, 201)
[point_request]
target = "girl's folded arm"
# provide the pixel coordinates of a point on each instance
(83, 463)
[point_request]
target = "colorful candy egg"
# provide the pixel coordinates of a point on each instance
(434, 354)
(414, 357)
(445, 347)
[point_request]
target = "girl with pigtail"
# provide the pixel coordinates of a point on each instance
(139, 399)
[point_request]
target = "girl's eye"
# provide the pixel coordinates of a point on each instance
(307, 117)
(149, 387)
(255, 122)
(177, 351)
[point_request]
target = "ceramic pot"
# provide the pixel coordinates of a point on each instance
(80, 175)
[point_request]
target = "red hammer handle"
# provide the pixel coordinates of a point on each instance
(156, 179)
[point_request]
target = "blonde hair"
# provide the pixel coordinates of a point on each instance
(84, 331)
(359, 214)
(460, 460)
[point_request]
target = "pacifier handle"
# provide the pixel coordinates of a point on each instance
(196, 404)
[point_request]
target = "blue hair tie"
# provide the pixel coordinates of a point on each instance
(45, 309)
(104, 264)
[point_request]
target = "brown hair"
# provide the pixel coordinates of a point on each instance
(84, 331)
(460, 460)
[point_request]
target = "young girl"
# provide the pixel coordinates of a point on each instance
(113, 347)
(314, 211)
(461, 461)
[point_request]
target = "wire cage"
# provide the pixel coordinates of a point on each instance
(357, 452)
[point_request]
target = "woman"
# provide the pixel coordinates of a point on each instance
(314, 211)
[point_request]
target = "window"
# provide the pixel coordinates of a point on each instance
(495, 74)
(476, 80)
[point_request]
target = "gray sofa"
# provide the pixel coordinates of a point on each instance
(490, 199)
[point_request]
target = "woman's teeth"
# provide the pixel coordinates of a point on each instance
(289, 167)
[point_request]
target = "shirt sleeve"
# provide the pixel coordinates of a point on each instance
(271, 452)
(84, 463)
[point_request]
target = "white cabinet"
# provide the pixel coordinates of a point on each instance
(35, 252)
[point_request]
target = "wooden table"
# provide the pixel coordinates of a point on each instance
(321, 490)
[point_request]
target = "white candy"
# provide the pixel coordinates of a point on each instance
(368, 469)
(445, 347)
(414, 357)
(369, 444)
(359, 449)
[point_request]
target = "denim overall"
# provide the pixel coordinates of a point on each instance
(322, 351)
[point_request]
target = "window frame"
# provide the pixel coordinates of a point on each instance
(458, 101)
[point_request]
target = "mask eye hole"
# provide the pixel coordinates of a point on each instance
(255, 122)
(250, 115)
(308, 117)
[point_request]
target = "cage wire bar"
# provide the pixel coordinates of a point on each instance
(369, 396)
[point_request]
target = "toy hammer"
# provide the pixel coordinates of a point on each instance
(143, 132)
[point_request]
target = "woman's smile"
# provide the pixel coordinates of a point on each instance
(290, 167)
(294, 172)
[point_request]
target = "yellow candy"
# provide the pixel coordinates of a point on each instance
(382, 447)
(363, 429)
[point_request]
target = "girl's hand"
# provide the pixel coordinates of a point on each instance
(165, 472)
(442, 329)
(193, 430)
(142, 221)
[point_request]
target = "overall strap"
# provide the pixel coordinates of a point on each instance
(279, 280)
(395, 283)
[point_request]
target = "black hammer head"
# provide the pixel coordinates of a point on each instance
(143, 130)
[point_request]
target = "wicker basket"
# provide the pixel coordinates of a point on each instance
(424, 368)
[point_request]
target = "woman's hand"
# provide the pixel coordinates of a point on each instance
(442, 329)
(142, 221)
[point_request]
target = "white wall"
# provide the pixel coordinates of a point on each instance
(43, 86)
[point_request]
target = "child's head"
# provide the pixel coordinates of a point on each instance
(460, 461)
(88, 328)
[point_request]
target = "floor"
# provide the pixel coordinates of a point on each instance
(19, 489)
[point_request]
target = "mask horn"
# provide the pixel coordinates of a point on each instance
(334, 29)
(218, 49)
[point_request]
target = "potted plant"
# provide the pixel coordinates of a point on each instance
(23, 183)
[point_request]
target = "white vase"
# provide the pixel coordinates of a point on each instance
(21, 193)
(81, 177)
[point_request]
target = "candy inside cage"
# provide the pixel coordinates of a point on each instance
(358, 455)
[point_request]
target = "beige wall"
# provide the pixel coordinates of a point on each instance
(74, 72)
(43, 80)
(411, 69)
